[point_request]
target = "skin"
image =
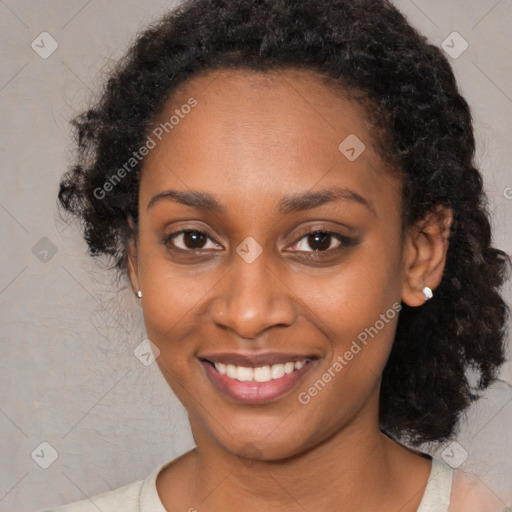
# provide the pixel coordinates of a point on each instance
(252, 139)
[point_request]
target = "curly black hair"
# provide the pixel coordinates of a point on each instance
(368, 48)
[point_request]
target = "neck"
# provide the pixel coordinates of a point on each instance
(358, 466)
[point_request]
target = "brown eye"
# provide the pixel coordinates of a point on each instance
(188, 240)
(194, 239)
(320, 241)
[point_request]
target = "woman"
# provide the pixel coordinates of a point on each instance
(289, 187)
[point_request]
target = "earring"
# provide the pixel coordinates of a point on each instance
(139, 295)
(428, 293)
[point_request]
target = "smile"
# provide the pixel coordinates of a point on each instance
(250, 381)
(260, 374)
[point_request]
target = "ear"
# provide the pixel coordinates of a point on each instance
(426, 247)
(132, 257)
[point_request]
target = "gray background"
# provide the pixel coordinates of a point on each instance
(69, 376)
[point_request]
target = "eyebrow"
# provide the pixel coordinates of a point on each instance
(289, 204)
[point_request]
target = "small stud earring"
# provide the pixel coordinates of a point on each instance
(428, 293)
(139, 295)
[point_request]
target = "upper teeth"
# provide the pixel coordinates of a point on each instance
(261, 374)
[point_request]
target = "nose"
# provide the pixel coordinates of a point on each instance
(252, 299)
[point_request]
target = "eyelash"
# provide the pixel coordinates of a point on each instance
(344, 241)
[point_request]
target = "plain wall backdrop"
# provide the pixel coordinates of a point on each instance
(79, 413)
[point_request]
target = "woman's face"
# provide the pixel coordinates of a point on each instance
(232, 280)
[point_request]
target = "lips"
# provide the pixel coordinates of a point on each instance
(256, 378)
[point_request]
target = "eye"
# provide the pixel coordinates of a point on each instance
(189, 240)
(321, 241)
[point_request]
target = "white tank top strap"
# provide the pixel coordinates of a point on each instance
(436, 497)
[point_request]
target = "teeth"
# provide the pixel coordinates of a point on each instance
(244, 374)
(261, 374)
(277, 371)
(230, 371)
(289, 367)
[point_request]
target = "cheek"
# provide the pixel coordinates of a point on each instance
(353, 295)
(173, 303)
(357, 309)
(173, 297)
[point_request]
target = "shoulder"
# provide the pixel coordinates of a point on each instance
(122, 499)
(470, 494)
(141, 495)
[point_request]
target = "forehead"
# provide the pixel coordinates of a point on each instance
(253, 131)
(280, 97)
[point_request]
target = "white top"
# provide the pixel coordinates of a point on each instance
(436, 497)
(142, 496)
